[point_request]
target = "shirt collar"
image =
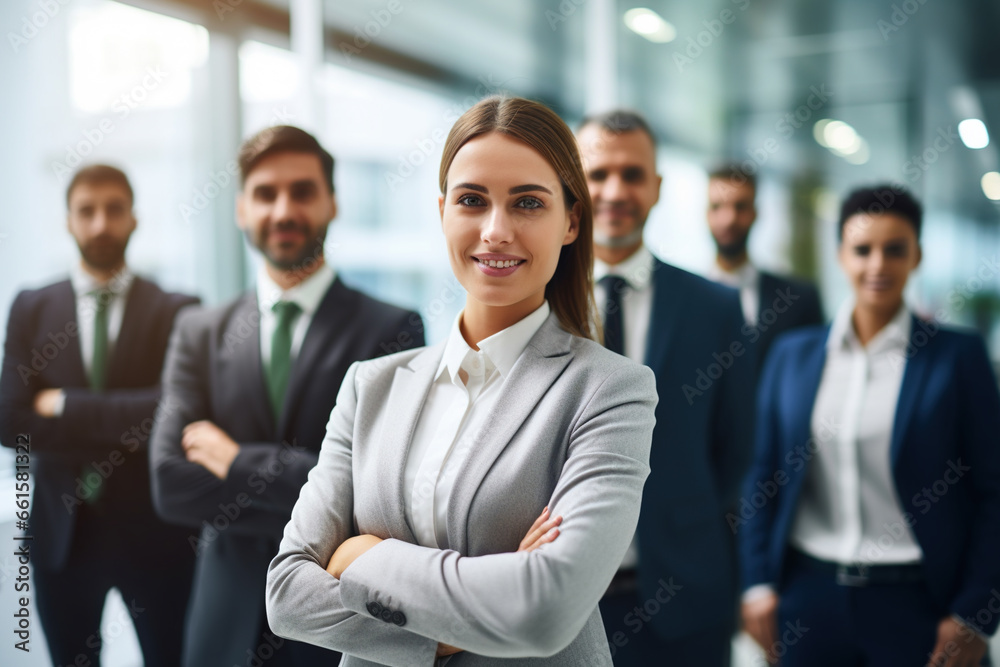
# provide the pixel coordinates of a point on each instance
(893, 336)
(637, 269)
(307, 295)
(84, 283)
(500, 351)
(745, 276)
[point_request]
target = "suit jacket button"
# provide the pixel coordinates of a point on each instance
(375, 609)
(399, 618)
(386, 614)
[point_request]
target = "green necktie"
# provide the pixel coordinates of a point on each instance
(99, 362)
(92, 479)
(280, 366)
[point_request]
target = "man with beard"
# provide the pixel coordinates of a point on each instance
(674, 598)
(80, 382)
(771, 304)
(251, 385)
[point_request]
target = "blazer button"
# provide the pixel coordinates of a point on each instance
(375, 609)
(386, 614)
(399, 618)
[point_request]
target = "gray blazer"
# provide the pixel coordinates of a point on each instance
(571, 431)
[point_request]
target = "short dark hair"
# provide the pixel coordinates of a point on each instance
(619, 121)
(98, 174)
(282, 139)
(730, 171)
(880, 200)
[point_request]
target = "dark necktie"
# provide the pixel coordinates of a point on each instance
(614, 329)
(99, 361)
(92, 480)
(280, 367)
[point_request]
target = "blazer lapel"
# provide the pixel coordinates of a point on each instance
(65, 311)
(321, 339)
(809, 376)
(909, 394)
(410, 386)
(543, 360)
(665, 316)
(241, 346)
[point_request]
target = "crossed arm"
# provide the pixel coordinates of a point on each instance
(528, 603)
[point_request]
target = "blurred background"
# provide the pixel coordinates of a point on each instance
(814, 97)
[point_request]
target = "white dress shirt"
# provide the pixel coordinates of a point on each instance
(466, 388)
(308, 295)
(849, 511)
(746, 279)
(637, 306)
(84, 285)
(637, 301)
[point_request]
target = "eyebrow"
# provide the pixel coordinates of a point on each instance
(513, 191)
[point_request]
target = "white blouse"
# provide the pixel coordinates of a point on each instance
(465, 390)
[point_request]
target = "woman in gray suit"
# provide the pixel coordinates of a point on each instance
(415, 538)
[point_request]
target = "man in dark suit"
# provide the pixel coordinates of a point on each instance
(674, 598)
(81, 380)
(251, 386)
(771, 304)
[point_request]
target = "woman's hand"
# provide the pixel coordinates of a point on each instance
(445, 649)
(760, 620)
(348, 551)
(542, 531)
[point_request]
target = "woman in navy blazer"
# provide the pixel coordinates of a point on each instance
(834, 571)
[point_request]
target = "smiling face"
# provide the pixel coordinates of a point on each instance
(877, 254)
(101, 221)
(505, 220)
(285, 208)
(623, 183)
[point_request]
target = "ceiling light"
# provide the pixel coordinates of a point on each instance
(818, 130)
(650, 25)
(973, 133)
(840, 136)
(859, 155)
(991, 185)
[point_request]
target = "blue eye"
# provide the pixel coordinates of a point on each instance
(530, 203)
(470, 200)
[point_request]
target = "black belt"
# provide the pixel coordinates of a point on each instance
(858, 575)
(625, 581)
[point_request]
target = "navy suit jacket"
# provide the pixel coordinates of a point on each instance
(945, 454)
(702, 443)
(109, 428)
